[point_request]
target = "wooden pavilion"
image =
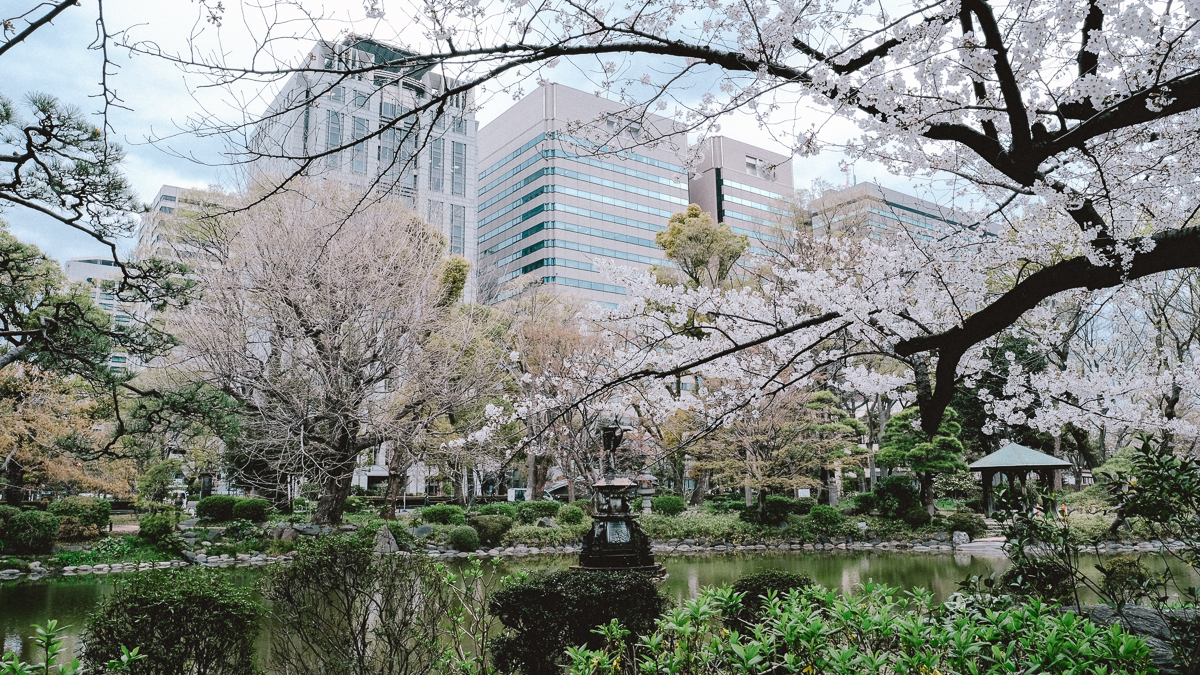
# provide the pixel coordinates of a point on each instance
(1015, 462)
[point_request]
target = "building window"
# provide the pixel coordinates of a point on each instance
(618, 126)
(760, 168)
(435, 214)
(437, 170)
(458, 168)
(338, 94)
(333, 137)
(117, 359)
(458, 226)
(387, 112)
(168, 198)
(166, 209)
(360, 99)
(359, 153)
(460, 125)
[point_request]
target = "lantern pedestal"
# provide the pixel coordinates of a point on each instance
(616, 541)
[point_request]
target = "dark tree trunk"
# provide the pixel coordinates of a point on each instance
(14, 478)
(927, 492)
(332, 502)
(397, 482)
(1080, 436)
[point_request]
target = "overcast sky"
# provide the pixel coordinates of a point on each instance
(161, 98)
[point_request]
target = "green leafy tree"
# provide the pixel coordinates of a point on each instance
(704, 251)
(906, 444)
(155, 484)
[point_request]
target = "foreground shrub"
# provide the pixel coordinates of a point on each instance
(878, 630)
(497, 509)
(464, 538)
(894, 496)
(186, 622)
(443, 514)
(31, 532)
(529, 512)
(971, 523)
(90, 513)
(756, 586)
(570, 515)
(546, 614)
(826, 520)
(340, 609)
(217, 508)
(254, 510)
(155, 526)
(668, 505)
(492, 529)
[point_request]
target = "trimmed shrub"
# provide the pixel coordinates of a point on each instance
(88, 512)
(354, 505)
(726, 502)
(185, 622)
(826, 520)
(917, 517)
(804, 505)
(31, 532)
(70, 529)
(546, 614)
(756, 585)
(668, 505)
(894, 496)
(443, 514)
(570, 515)
(217, 508)
(497, 509)
(464, 538)
(775, 510)
(528, 513)
(971, 523)
(532, 535)
(492, 529)
(155, 526)
(254, 510)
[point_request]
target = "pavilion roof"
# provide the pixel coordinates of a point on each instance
(1013, 456)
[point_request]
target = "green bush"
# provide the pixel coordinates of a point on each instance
(497, 509)
(70, 529)
(216, 509)
(726, 502)
(240, 530)
(443, 514)
(1043, 578)
(89, 512)
(254, 510)
(464, 538)
(31, 532)
(355, 505)
(804, 505)
(193, 622)
(570, 515)
(492, 529)
(546, 614)
(826, 520)
(862, 503)
(529, 512)
(756, 586)
(917, 517)
(971, 523)
(668, 505)
(774, 510)
(155, 526)
(895, 496)
(726, 527)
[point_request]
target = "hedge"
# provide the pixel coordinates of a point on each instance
(254, 510)
(217, 508)
(668, 505)
(443, 514)
(529, 512)
(31, 532)
(89, 512)
(464, 538)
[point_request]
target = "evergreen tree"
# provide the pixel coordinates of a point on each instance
(905, 444)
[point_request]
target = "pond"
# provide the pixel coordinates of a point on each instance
(69, 599)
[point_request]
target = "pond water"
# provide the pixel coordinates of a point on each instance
(69, 599)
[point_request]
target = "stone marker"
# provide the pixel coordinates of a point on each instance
(385, 543)
(960, 538)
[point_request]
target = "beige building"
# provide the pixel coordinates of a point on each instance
(869, 210)
(567, 182)
(746, 187)
(93, 273)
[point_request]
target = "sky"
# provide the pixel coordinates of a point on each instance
(160, 102)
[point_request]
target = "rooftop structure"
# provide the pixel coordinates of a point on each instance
(869, 210)
(746, 187)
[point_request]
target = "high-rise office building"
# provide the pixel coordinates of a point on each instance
(172, 229)
(94, 272)
(428, 160)
(875, 212)
(552, 204)
(746, 187)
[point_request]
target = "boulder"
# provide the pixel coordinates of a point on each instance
(545, 522)
(422, 531)
(191, 557)
(1149, 624)
(941, 536)
(385, 543)
(289, 534)
(308, 529)
(960, 538)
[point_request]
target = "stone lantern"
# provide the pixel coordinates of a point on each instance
(645, 483)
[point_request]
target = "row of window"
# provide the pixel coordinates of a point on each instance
(458, 224)
(576, 246)
(396, 148)
(580, 283)
(582, 159)
(571, 192)
(755, 205)
(749, 218)
(751, 189)
(675, 168)
(547, 262)
(569, 227)
(583, 177)
(565, 208)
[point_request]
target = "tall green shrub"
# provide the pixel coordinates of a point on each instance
(529, 512)
(492, 529)
(155, 526)
(217, 508)
(193, 622)
(546, 614)
(90, 512)
(570, 515)
(31, 532)
(464, 538)
(668, 505)
(895, 495)
(826, 520)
